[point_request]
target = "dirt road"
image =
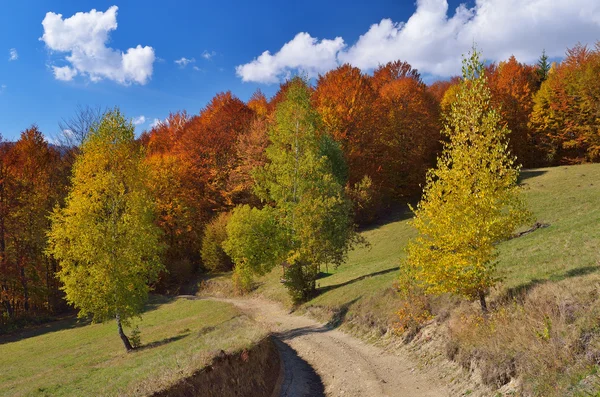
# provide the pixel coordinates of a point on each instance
(323, 361)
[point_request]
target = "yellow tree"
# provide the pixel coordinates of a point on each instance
(105, 237)
(471, 200)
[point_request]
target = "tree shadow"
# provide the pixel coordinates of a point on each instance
(526, 174)
(60, 324)
(71, 322)
(162, 342)
(397, 213)
(156, 301)
(327, 288)
(522, 290)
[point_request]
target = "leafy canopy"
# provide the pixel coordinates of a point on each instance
(105, 237)
(471, 200)
(307, 221)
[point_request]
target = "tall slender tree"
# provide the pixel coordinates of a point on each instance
(471, 200)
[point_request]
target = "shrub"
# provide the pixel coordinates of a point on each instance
(215, 233)
(243, 282)
(136, 337)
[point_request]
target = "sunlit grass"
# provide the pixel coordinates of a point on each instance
(568, 198)
(77, 359)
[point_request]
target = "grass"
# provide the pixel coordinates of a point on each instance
(544, 328)
(75, 358)
(565, 197)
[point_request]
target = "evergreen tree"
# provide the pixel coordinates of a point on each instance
(543, 67)
(105, 237)
(471, 200)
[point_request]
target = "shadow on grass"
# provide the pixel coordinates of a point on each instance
(156, 301)
(520, 291)
(162, 342)
(399, 212)
(526, 174)
(322, 290)
(60, 324)
(71, 322)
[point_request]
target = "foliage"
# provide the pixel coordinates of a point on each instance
(512, 85)
(309, 222)
(471, 201)
(542, 67)
(566, 108)
(243, 280)
(215, 233)
(33, 176)
(106, 271)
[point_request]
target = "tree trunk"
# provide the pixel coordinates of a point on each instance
(124, 337)
(483, 303)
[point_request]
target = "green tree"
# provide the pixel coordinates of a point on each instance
(471, 200)
(307, 221)
(543, 67)
(215, 233)
(105, 237)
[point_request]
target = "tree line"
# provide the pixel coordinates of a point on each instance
(226, 166)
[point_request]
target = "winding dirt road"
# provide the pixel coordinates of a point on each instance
(322, 361)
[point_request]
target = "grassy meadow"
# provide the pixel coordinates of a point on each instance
(566, 198)
(71, 357)
(543, 328)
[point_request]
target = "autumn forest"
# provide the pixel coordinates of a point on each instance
(384, 127)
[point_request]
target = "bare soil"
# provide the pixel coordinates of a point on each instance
(320, 360)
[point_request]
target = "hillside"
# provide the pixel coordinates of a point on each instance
(555, 262)
(72, 357)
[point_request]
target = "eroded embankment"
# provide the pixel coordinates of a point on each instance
(255, 372)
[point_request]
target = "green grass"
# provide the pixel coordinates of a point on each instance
(74, 358)
(568, 198)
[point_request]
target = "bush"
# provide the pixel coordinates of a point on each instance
(136, 337)
(215, 233)
(243, 282)
(300, 279)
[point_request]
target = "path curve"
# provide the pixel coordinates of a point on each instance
(346, 365)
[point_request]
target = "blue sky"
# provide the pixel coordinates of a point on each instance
(42, 81)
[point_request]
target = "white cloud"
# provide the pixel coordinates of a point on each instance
(64, 73)
(2, 88)
(197, 69)
(156, 123)
(208, 55)
(84, 36)
(139, 120)
(303, 53)
(433, 40)
(183, 61)
(13, 55)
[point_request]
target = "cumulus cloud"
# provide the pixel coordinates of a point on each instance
(183, 61)
(84, 36)
(13, 55)
(208, 55)
(64, 73)
(303, 53)
(139, 120)
(433, 38)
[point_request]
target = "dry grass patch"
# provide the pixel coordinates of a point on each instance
(547, 338)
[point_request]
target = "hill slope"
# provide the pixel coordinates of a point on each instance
(75, 358)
